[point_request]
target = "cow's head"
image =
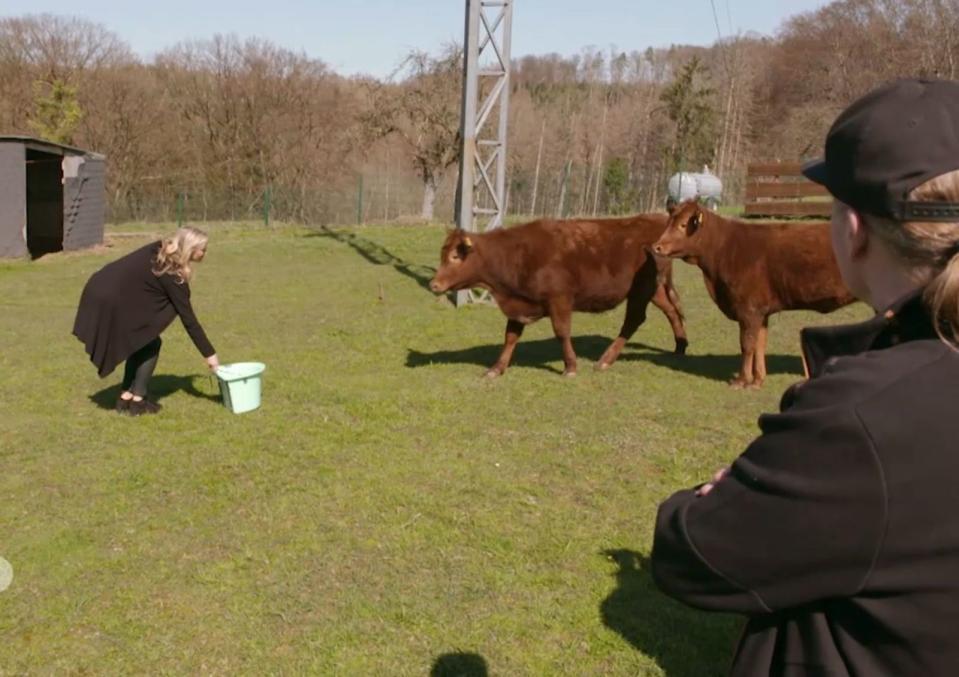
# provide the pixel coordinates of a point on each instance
(683, 229)
(458, 263)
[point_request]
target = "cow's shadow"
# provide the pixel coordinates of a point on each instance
(379, 255)
(161, 386)
(683, 641)
(546, 354)
(543, 354)
(713, 367)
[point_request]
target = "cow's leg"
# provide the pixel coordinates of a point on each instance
(667, 300)
(561, 315)
(514, 330)
(748, 336)
(635, 316)
(759, 362)
(637, 300)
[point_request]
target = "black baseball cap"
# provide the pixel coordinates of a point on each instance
(887, 143)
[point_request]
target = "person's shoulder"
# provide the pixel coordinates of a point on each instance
(905, 361)
(854, 379)
(146, 252)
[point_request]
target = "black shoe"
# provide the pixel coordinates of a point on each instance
(151, 406)
(142, 407)
(123, 406)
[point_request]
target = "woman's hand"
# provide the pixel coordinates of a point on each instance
(213, 362)
(706, 488)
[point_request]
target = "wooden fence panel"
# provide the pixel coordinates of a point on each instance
(815, 209)
(777, 189)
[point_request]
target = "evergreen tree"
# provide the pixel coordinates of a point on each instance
(56, 112)
(689, 105)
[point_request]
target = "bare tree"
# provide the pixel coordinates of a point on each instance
(423, 110)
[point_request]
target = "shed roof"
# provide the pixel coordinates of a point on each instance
(49, 146)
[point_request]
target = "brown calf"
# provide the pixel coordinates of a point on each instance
(555, 267)
(755, 270)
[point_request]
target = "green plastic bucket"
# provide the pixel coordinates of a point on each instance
(240, 385)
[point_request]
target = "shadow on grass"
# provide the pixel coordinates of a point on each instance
(546, 353)
(683, 641)
(459, 665)
(715, 367)
(160, 387)
(538, 354)
(379, 255)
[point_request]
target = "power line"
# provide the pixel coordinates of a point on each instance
(716, 20)
(722, 47)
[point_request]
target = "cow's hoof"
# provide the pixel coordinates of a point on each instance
(680, 349)
(737, 384)
(755, 385)
(569, 374)
(491, 374)
(602, 366)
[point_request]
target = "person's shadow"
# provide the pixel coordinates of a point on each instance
(459, 664)
(160, 386)
(683, 641)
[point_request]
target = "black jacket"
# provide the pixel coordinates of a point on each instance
(124, 306)
(837, 530)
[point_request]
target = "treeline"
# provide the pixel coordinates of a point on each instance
(226, 128)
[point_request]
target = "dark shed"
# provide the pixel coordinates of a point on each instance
(52, 197)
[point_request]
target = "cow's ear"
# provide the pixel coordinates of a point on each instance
(464, 247)
(695, 222)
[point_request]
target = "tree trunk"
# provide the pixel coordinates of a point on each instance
(599, 157)
(587, 185)
(389, 176)
(539, 159)
(429, 197)
(562, 190)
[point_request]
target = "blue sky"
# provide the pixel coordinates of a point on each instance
(371, 36)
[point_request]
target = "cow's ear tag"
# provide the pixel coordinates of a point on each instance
(468, 242)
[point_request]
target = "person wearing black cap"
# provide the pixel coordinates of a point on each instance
(836, 532)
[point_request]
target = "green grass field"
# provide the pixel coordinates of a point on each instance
(387, 511)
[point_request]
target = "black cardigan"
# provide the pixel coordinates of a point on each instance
(836, 532)
(124, 306)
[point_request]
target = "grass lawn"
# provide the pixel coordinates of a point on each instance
(387, 511)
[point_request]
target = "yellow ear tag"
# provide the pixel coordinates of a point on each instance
(467, 241)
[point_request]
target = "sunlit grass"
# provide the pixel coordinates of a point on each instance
(386, 507)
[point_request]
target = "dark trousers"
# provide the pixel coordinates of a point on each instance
(140, 366)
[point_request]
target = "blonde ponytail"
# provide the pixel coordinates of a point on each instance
(176, 252)
(932, 249)
(942, 298)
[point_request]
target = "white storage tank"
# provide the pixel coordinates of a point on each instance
(704, 186)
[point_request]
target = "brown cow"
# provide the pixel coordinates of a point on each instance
(552, 268)
(754, 270)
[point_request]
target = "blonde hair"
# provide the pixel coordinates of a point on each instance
(176, 252)
(933, 249)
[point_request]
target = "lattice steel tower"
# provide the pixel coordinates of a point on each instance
(481, 191)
